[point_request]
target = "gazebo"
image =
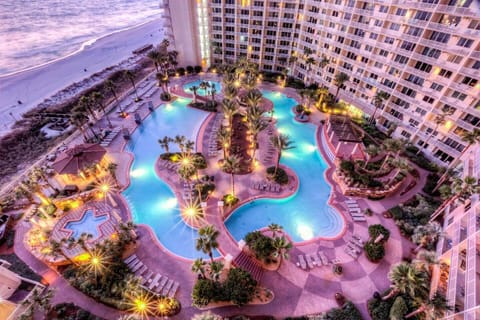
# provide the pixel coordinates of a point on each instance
(75, 161)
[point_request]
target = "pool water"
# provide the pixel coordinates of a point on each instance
(151, 200)
(88, 224)
(202, 92)
(306, 214)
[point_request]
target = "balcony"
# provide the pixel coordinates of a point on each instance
(417, 22)
(456, 10)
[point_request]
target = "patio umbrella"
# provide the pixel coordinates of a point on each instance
(77, 158)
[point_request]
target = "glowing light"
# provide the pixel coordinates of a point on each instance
(83, 257)
(237, 83)
(95, 261)
(105, 188)
(170, 203)
(305, 232)
(142, 305)
(138, 172)
(74, 204)
(448, 124)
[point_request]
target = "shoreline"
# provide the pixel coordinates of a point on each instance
(83, 46)
(34, 86)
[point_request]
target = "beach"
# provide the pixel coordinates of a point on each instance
(33, 86)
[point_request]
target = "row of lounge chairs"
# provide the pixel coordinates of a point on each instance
(153, 282)
(271, 150)
(266, 186)
(109, 137)
(312, 260)
(355, 211)
(212, 141)
(354, 246)
(189, 191)
(172, 166)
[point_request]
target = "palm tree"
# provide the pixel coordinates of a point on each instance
(231, 165)
(274, 228)
(470, 138)
(433, 308)
(188, 147)
(194, 89)
(180, 141)
(230, 92)
(280, 142)
(164, 143)
(82, 241)
(56, 249)
(255, 126)
(215, 271)
(425, 260)
(213, 91)
(282, 246)
(407, 279)
(110, 86)
(37, 299)
(426, 236)
(207, 240)
(291, 62)
(309, 61)
(372, 151)
(253, 98)
(97, 99)
(130, 76)
(321, 93)
(223, 138)
(230, 109)
(401, 165)
(41, 173)
(460, 190)
(154, 55)
(198, 267)
(340, 79)
(85, 103)
(378, 100)
(393, 148)
(78, 119)
(323, 63)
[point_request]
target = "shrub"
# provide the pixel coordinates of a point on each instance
(10, 238)
(261, 245)
(230, 200)
(432, 180)
(205, 291)
(399, 309)
(347, 166)
(374, 251)
(295, 83)
(299, 108)
(190, 69)
(209, 106)
(379, 309)
(376, 229)
(165, 96)
(181, 71)
(239, 286)
(396, 212)
(347, 311)
(281, 177)
(197, 69)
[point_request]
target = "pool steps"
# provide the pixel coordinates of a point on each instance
(153, 282)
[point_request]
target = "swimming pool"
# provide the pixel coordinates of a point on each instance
(88, 224)
(202, 92)
(151, 200)
(306, 214)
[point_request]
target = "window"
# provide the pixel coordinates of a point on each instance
(383, 9)
(413, 123)
(430, 52)
(436, 86)
(414, 31)
(428, 99)
(423, 66)
(454, 59)
(383, 53)
(459, 95)
(454, 144)
(373, 36)
(415, 79)
(420, 111)
(423, 15)
(474, 121)
(469, 81)
(464, 42)
(368, 48)
(401, 12)
(440, 37)
(445, 157)
(409, 92)
(389, 40)
(394, 26)
(409, 46)
(378, 65)
(401, 59)
(445, 73)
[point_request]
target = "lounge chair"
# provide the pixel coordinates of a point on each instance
(352, 247)
(323, 257)
(351, 253)
(356, 214)
(310, 262)
(301, 261)
(354, 209)
(351, 201)
(174, 289)
(359, 219)
(356, 242)
(154, 281)
(353, 206)
(358, 238)
(317, 260)
(127, 261)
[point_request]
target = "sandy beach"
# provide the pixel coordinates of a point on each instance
(33, 86)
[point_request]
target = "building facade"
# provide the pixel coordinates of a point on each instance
(425, 54)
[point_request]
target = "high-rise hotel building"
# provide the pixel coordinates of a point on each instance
(424, 53)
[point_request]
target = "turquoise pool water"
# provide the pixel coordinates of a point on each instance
(304, 215)
(151, 200)
(88, 224)
(202, 92)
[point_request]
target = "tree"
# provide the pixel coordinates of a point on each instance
(230, 92)
(401, 165)
(41, 173)
(213, 91)
(198, 267)
(280, 143)
(37, 300)
(407, 279)
(85, 103)
(375, 230)
(340, 79)
(215, 271)
(164, 143)
(470, 138)
(130, 76)
(282, 247)
(372, 151)
(323, 63)
(232, 165)
(255, 126)
(393, 148)
(460, 190)
(378, 99)
(253, 98)
(56, 249)
(240, 286)
(97, 99)
(426, 236)
(154, 55)
(223, 138)
(433, 308)
(309, 62)
(321, 93)
(274, 228)
(194, 89)
(230, 109)
(180, 141)
(399, 309)
(110, 86)
(425, 260)
(78, 119)
(81, 241)
(207, 240)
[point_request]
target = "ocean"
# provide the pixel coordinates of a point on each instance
(39, 31)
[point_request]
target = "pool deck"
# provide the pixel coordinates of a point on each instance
(306, 292)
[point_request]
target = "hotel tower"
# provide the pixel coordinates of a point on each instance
(425, 54)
